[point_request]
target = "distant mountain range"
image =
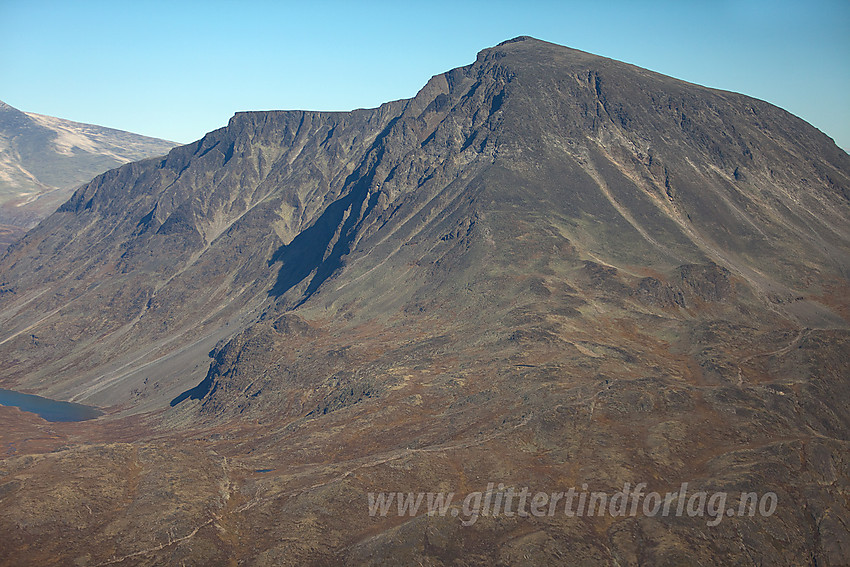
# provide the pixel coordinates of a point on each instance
(547, 269)
(43, 159)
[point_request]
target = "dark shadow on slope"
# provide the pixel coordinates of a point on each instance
(197, 392)
(307, 251)
(305, 254)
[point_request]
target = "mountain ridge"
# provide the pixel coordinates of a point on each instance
(545, 269)
(192, 228)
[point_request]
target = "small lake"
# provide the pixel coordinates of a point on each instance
(50, 410)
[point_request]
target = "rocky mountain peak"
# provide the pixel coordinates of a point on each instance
(542, 257)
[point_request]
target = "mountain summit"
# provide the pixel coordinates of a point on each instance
(547, 269)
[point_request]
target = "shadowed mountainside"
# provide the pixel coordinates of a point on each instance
(546, 269)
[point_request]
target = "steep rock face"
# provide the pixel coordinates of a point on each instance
(593, 157)
(461, 205)
(545, 269)
(158, 255)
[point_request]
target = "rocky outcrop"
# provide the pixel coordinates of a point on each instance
(709, 282)
(655, 292)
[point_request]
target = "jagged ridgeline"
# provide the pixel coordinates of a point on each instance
(547, 267)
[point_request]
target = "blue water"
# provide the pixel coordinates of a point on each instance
(50, 410)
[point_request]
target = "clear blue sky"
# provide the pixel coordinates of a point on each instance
(178, 69)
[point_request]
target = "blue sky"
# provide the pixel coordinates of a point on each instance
(179, 69)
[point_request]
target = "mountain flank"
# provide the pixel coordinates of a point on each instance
(547, 269)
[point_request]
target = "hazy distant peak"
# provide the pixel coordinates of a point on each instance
(44, 158)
